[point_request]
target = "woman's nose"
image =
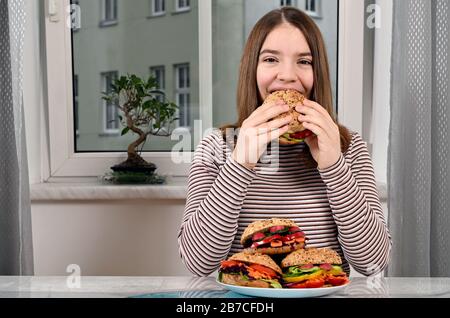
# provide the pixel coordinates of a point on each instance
(287, 74)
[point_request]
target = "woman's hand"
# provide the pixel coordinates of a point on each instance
(258, 130)
(325, 146)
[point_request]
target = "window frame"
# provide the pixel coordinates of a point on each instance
(155, 13)
(103, 78)
(185, 91)
(104, 20)
(293, 4)
(317, 13)
(65, 163)
(182, 9)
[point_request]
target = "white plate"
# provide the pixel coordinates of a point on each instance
(283, 292)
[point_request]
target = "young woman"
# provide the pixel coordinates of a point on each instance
(326, 185)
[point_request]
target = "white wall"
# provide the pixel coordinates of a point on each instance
(112, 238)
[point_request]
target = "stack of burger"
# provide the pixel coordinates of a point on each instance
(267, 241)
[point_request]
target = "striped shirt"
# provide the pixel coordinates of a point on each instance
(337, 207)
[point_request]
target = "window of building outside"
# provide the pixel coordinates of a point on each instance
(158, 7)
(313, 7)
(111, 122)
(182, 94)
(136, 45)
(287, 3)
(173, 57)
(109, 13)
(182, 5)
(159, 73)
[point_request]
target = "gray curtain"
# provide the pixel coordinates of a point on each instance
(16, 251)
(419, 157)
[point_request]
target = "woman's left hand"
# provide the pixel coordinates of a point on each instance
(325, 144)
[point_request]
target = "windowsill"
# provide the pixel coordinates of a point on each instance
(109, 134)
(179, 11)
(91, 189)
(108, 23)
(314, 15)
(156, 15)
(88, 189)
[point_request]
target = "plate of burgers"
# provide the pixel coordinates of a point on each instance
(310, 272)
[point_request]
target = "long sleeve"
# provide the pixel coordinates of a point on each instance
(355, 204)
(216, 189)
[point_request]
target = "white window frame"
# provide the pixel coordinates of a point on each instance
(162, 84)
(283, 3)
(64, 162)
(106, 130)
(183, 8)
(153, 6)
(105, 21)
(182, 91)
(317, 13)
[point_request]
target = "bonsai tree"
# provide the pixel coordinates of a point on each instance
(143, 110)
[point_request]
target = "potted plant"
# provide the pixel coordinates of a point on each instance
(144, 111)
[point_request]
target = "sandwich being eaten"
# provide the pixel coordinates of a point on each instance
(296, 133)
(273, 236)
(313, 268)
(250, 270)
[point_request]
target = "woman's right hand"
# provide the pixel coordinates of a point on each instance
(258, 130)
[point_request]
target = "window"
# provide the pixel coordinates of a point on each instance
(158, 7)
(111, 121)
(313, 8)
(159, 73)
(182, 5)
(205, 90)
(287, 3)
(109, 12)
(182, 94)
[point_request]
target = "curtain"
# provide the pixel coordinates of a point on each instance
(16, 251)
(419, 157)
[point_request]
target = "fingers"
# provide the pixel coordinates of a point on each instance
(312, 112)
(273, 124)
(316, 129)
(318, 121)
(265, 113)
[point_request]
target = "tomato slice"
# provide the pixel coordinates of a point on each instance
(258, 236)
(293, 236)
(276, 228)
(301, 134)
(298, 285)
(229, 263)
(326, 266)
(265, 270)
(337, 281)
(294, 229)
(315, 283)
(267, 240)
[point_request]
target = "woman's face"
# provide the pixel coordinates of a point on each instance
(285, 62)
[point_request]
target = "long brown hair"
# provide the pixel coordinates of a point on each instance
(248, 98)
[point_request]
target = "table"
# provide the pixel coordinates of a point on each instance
(196, 287)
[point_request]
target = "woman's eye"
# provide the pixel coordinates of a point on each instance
(270, 60)
(305, 62)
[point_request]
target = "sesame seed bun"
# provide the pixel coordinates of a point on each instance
(292, 98)
(256, 258)
(311, 256)
(263, 225)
